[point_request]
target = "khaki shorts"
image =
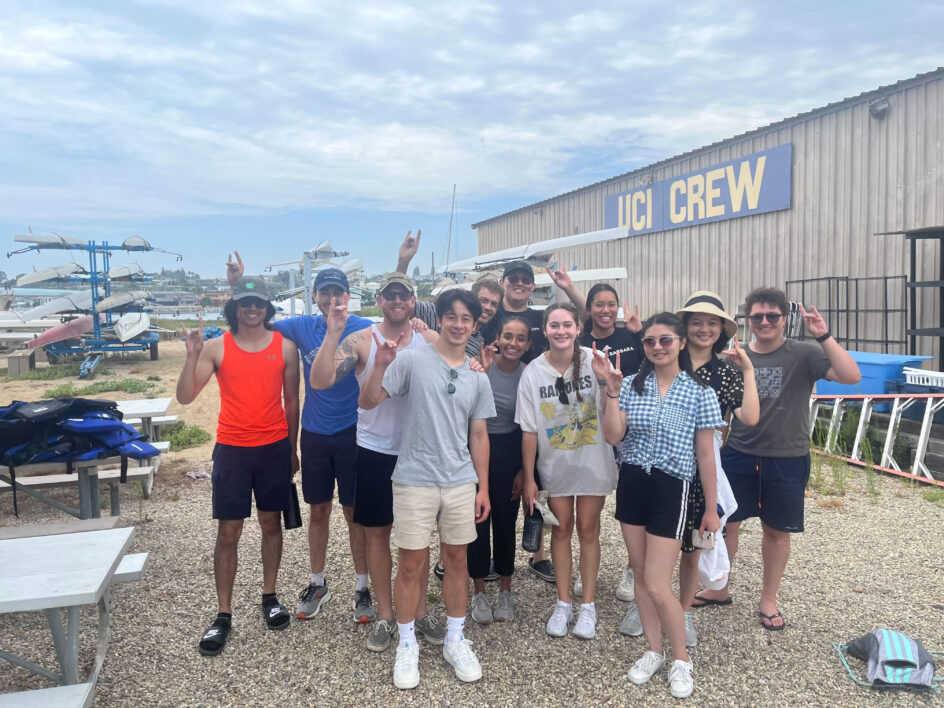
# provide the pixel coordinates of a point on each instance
(418, 511)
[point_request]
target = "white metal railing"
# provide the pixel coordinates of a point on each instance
(933, 402)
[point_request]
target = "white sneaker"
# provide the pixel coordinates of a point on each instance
(463, 660)
(586, 627)
(646, 667)
(626, 590)
(631, 625)
(406, 671)
(578, 586)
(559, 621)
(681, 679)
(691, 637)
(481, 610)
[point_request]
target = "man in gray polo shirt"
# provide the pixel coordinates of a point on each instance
(434, 481)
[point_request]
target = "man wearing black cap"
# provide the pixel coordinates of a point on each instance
(255, 441)
(328, 444)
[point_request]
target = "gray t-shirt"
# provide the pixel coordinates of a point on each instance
(785, 380)
(505, 393)
(434, 449)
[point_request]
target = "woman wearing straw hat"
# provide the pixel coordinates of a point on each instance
(705, 322)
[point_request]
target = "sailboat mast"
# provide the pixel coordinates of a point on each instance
(452, 213)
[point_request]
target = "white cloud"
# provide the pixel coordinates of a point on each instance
(176, 108)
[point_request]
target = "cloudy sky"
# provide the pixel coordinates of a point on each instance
(271, 125)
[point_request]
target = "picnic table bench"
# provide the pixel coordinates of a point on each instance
(63, 573)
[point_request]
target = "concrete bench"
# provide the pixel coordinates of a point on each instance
(76, 696)
(131, 567)
(144, 475)
(21, 361)
(60, 527)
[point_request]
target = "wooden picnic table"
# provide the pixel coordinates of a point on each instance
(57, 574)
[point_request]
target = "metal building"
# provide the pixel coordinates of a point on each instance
(797, 204)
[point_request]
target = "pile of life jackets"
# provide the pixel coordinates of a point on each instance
(67, 430)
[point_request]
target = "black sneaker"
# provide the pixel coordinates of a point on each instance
(544, 569)
(439, 571)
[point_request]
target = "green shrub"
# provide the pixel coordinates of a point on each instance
(121, 385)
(59, 371)
(182, 436)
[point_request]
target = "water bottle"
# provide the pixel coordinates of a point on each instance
(292, 517)
(533, 528)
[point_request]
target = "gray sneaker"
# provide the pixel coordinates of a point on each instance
(691, 637)
(381, 632)
(312, 598)
(481, 610)
(364, 611)
(505, 609)
(428, 628)
(631, 625)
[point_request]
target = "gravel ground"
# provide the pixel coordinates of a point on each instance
(858, 566)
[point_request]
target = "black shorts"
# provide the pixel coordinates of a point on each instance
(655, 500)
(326, 458)
(773, 488)
(373, 490)
(241, 472)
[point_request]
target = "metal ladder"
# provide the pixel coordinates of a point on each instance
(900, 403)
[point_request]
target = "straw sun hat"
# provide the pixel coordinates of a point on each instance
(708, 303)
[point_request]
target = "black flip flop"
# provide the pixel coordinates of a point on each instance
(707, 601)
(276, 616)
(770, 618)
(214, 639)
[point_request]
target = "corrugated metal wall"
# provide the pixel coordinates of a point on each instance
(853, 176)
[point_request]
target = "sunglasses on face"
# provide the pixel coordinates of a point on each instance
(451, 387)
(772, 317)
(664, 341)
(255, 302)
(520, 279)
(561, 391)
(391, 295)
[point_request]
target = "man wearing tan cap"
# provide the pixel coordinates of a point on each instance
(378, 440)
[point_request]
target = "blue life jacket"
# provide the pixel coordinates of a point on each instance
(66, 430)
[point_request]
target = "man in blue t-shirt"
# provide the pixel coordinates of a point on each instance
(328, 444)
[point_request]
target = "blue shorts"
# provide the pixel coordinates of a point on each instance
(772, 488)
(326, 458)
(239, 473)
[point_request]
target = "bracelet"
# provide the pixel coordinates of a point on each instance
(823, 338)
(611, 396)
(601, 382)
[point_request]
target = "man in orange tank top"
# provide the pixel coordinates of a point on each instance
(256, 441)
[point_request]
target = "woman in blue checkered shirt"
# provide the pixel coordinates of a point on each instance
(662, 418)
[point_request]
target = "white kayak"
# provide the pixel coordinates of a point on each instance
(51, 273)
(119, 299)
(77, 302)
(131, 324)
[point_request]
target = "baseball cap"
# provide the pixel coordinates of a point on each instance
(396, 279)
(518, 266)
(251, 286)
(331, 276)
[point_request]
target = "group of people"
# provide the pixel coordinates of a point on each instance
(451, 417)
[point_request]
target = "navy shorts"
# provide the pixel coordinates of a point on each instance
(239, 473)
(655, 500)
(373, 491)
(773, 488)
(326, 458)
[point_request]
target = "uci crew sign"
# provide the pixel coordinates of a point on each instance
(754, 184)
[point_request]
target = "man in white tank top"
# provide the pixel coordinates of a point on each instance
(378, 442)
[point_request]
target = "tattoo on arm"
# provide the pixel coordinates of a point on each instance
(345, 359)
